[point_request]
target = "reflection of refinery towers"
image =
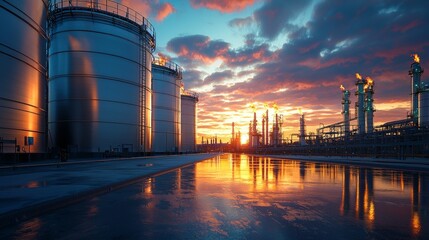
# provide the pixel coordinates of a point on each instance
(236, 138)
(365, 207)
(265, 137)
(345, 195)
(364, 196)
(419, 203)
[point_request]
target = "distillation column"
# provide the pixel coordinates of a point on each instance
(302, 130)
(346, 111)
(360, 103)
(369, 105)
(415, 72)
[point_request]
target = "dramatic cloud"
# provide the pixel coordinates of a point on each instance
(325, 43)
(193, 78)
(226, 6)
(163, 11)
(150, 8)
(218, 77)
(205, 50)
(276, 15)
(241, 22)
(198, 47)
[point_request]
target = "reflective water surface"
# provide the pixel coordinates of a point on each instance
(244, 197)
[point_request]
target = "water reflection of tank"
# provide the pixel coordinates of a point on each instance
(166, 116)
(23, 90)
(100, 77)
(189, 119)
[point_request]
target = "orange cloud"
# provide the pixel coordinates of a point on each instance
(141, 7)
(226, 6)
(150, 8)
(165, 10)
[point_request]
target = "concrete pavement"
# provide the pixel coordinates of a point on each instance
(28, 190)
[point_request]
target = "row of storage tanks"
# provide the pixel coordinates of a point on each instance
(80, 75)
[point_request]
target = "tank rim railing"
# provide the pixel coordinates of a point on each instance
(189, 93)
(159, 61)
(108, 6)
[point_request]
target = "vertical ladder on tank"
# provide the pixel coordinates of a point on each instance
(142, 89)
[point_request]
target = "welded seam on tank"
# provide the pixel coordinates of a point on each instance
(155, 78)
(164, 108)
(96, 32)
(93, 121)
(23, 130)
(93, 99)
(33, 25)
(38, 65)
(103, 77)
(96, 52)
(165, 94)
(23, 103)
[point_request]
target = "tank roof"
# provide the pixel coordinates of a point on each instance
(109, 7)
(162, 62)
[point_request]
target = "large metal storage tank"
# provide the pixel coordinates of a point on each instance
(166, 84)
(423, 105)
(100, 94)
(189, 121)
(23, 71)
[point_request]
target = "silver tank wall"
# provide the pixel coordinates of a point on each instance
(423, 105)
(165, 110)
(100, 82)
(189, 120)
(23, 67)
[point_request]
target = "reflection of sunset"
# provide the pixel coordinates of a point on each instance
(261, 180)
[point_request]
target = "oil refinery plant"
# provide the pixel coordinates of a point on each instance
(354, 135)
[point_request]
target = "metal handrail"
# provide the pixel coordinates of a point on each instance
(168, 64)
(190, 94)
(108, 6)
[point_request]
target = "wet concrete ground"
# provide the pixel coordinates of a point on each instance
(243, 197)
(31, 189)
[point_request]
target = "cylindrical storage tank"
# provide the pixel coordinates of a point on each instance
(166, 117)
(423, 101)
(23, 71)
(100, 59)
(189, 121)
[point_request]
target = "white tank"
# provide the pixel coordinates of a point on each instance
(189, 121)
(166, 114)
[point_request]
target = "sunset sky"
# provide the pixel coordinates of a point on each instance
(294, 54)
